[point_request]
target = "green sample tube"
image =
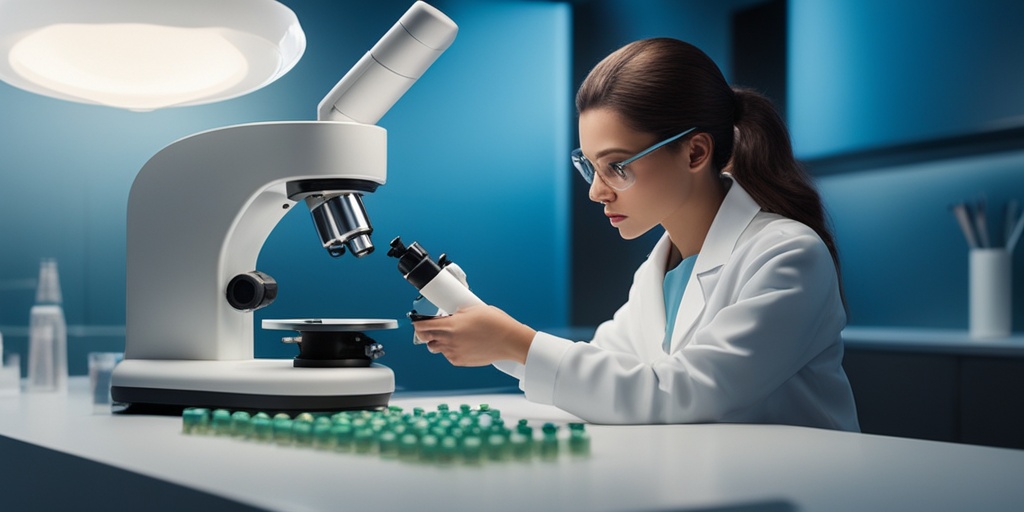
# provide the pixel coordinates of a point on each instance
(241, 424)
(388, 442)
(282, 428)
(262, 427)
(365, 440)
(408, 447)
(221, 422)
(302, 432)
(472, 449)
(195, 420)
(428, 448)
(322, 438)
(448, 450)
(549, 442)
(496, 447)
(521, 445)
(344, 436)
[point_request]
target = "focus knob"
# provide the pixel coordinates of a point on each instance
(251, 291)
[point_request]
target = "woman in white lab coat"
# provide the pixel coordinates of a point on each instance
(736, 314)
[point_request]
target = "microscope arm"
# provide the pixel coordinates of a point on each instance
(387, 71)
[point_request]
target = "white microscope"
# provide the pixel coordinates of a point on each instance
(199, 212)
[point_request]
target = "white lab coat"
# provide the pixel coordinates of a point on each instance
(756, 339)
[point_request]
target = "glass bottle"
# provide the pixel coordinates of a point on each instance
(48, 341)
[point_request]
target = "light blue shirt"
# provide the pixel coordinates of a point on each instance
(674, 287)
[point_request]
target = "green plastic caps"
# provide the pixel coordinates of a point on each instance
(262, 428)
(444, 436)
(579, 439)
(195, 420)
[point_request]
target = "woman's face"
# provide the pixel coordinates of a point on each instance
(663, 183)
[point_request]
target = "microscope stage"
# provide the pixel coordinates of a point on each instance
(149, 385)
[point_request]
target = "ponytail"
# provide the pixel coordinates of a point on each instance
(763, 162)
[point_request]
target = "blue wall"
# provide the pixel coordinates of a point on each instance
(904, 258)
(871, 73)
(476, 161)
(867, 74)
(478, 167)
(603, 26)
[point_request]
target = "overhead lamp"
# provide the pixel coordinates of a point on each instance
(146, 54)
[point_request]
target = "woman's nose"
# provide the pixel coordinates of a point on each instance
(600, 192)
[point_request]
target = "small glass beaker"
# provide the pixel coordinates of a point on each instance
(101, 367)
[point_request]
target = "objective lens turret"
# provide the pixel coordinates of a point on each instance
(342, 223)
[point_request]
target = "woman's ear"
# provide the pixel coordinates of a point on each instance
(701, 147)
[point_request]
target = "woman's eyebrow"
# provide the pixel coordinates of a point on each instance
(609, 151)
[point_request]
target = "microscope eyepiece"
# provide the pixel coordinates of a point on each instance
(442, 282)
(413, 262)
(408, 257)
(397, 248)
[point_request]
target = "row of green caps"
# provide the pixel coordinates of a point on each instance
(442, 435)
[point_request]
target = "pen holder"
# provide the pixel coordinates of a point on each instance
(990, 293)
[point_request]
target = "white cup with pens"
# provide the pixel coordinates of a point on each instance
(991, 269)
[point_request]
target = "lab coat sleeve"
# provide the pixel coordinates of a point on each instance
(511, 368)
(610, 335)
(614, 335)
(782, 302)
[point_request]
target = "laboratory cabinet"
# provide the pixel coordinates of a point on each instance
(937, 385)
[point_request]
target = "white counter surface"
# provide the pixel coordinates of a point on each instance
(648, 468)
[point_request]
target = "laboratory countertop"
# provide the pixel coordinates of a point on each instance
(936, 341)
(645, 468)
(895, 339)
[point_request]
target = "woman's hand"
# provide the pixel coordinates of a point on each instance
(476, 336)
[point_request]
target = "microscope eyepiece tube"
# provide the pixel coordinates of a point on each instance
(414, 263)
(341, 222)
(438, 285)
(391, 67)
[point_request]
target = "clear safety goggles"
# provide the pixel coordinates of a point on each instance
(616, 174)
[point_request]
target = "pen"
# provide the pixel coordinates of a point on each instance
(964, 218)
(981, 224)
(1015, 236)
(1009, 221)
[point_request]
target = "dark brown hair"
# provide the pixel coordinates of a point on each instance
(662, 86)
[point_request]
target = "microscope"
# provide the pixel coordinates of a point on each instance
(199, 212)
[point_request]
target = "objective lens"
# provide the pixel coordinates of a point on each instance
(360, 245)
(341, 222)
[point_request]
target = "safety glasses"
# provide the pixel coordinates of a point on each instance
(616, 174)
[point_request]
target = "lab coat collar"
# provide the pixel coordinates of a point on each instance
(734, 215)
(738, 209)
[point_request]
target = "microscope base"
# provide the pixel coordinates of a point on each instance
(271, 385)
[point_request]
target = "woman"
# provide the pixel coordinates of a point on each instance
(736, 314)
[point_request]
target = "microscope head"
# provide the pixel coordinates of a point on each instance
(363, 96)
